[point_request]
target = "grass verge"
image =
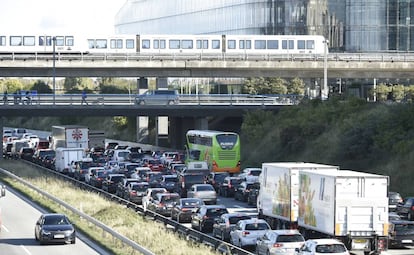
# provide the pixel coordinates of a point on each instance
(152, 235)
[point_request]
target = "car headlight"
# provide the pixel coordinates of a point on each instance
(69, 232)
(45, 232)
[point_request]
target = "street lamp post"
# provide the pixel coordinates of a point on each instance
(54, 69)
(324, 92)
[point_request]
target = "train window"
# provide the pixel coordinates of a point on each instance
(231, 44)
(91, 44)
(146, 44)
(310, 44)
(16, 41)
(174, 44)
(287, 44)
(273, 44)
(156, 44)
(215, 44)
(69, 41)
(187, 44)
(29, 41)
(45, 40)
(260, 44)
(2, 41)
(301, 44)
(130, 44)
(202, 44)
(245, 44)
(116, 44)
(101, 44)
(60, 41)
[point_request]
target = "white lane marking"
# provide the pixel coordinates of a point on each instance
(26, 250)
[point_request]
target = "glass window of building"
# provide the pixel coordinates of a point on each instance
(29, 41)
(187, 44)
(231, 44)
(174, 44)
(216, 44)
(130, 44)
(273, 44)
(69, 41)
(310, 44)
(101, 44)
(2, 41)
(91, 44)
(260, 44)
(146, 44)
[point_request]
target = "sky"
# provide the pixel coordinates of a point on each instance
(55, 16)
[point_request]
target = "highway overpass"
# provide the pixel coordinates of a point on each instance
(342, 65)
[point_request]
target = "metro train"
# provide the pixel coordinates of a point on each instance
(164, 44)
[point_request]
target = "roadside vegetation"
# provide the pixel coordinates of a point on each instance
(146, 232)
(353, 134)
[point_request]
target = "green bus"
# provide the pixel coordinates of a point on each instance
(221, 150)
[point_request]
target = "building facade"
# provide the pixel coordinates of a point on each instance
(350, 25)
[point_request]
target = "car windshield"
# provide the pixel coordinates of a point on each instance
(140, 188)
(56, 220)
(404, 227)
(169, 199)
(290, 238)
(205, 188)
(255, 172)
(216, 211)
(330, 248)
(170, 179)
(257, 226)
(116, 178)
(233, 220)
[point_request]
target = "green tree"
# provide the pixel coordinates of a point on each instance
(262, 85)
(71, 84)
(41, 87)
(382, 91)
(11, 85)
(297, 86)
(397, 92)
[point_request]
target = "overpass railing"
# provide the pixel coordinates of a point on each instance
(129, 99)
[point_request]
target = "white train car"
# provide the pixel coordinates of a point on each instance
(275, 44)
(175, 44)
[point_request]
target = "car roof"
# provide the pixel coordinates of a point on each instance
(253, 220)
(325, 241)
(214, 206)
(286, 231)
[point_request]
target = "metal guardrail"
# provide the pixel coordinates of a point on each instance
(129, 99)
(189, 233)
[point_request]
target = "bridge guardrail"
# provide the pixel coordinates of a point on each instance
(129, 99)
(188, 233)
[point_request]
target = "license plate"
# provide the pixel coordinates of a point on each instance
(59, 236)
(407, 241)
(360, 240)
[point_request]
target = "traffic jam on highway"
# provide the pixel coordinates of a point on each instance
(297, 207)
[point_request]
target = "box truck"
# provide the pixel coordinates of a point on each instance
(70, 136)
(65, 156)
(347, 205)
(278, 197)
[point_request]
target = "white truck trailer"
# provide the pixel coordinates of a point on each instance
(70, 136)
(347, 205)
(65, 156)
(278, 197)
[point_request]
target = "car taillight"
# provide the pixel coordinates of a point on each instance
(245, 233)
(277, 245)
(133, 192)
(185, 209)
(205, 217)
(229, 185)
(412, 207)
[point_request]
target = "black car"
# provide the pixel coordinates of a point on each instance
(54, 228)
(394, 198)
(216, 179)
(228, 187)
(184, 208)
(98, 177)
(253, 194)
(169, 182)
(203, 220)
(225, 223)
(121, 187)
(243, 190)
(111, 182)
(406, 208)
(401, 233)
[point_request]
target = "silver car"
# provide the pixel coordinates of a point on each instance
(278, 242)
(205, 192)
(157, 97)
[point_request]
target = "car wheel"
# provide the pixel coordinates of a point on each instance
(73, 241)
(226, 193)
(178, 218)
(222, 236)
(200, 227)
(37, 238)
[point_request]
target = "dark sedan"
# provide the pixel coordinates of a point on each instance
(406, 208)
(205, 217)
(185, 207)
(54, 228)
(401, 233)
